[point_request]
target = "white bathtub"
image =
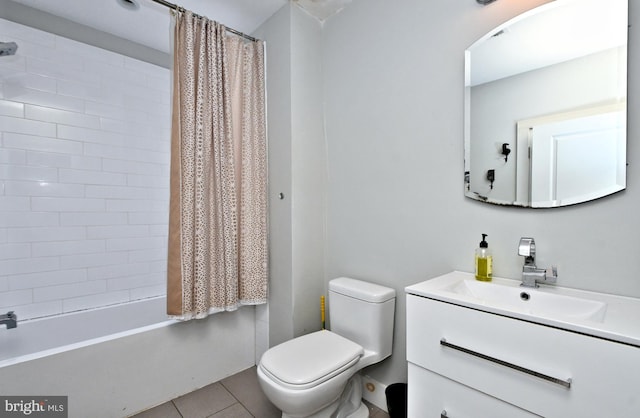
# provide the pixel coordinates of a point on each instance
(41, 337)
(120, 360)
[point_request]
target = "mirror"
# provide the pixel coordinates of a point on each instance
(545, 106)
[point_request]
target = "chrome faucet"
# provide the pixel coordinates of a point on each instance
(532, 275)
(10, 319)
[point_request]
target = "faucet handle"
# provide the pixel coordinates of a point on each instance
(527, 247)
(551, 274)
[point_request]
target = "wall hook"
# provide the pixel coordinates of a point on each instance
(505, 151)
(491, 176)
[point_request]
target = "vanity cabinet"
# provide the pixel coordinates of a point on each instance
(466, 363)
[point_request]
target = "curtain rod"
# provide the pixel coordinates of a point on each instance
(182, 9)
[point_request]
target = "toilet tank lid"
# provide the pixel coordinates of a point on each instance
(362, 290)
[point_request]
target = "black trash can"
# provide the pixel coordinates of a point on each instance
(397, 400)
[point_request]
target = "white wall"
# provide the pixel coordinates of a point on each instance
(393, 91)
(84, 148)
(297, 168)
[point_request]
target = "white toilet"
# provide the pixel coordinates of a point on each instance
(306, 376)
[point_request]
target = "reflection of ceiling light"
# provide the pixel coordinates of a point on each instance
(484, 2)
(129, 4)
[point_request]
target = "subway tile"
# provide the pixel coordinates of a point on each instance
(43, 98)
(92, 219)
(160, 230)
(25, 172)
(48, 159)
(14, 203)
(133, 167)
(64, 291)
(89, 92)
(92, 260)
(148, 291)
(117, 231)
(13, 251)
(47, 53)
(118, 192)
(17, 219)
(65, 117)
(88, 177)
(12, 156)
(136, 180)
(49, 278)
(27, 127)
(18, 81)
(135, 281)
(34, 188)
(124, 205)
(53, 248)
(154, 254)
(40, 143)
(11, 66)
(36, 310)
(115, 76)
(91, 135)
(102, 299)
(147, 68)
(148, 218)
(61, 70)
(11, 108)
(67, 204)
(125, 153)
(16, 297)
(138, 243)
(3, 235)
(114, 111)
(4, 284)
(28, 265)
(44, 234)
(117, 270)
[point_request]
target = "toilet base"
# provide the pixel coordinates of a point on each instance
(361, 412)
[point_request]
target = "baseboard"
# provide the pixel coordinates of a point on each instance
(373, 391)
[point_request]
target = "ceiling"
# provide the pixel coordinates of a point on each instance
(147, 24)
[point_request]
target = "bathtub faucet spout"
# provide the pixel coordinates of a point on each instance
(10, 319)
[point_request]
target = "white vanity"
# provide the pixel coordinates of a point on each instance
(500, 350)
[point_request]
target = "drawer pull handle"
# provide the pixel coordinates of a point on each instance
(561, 382)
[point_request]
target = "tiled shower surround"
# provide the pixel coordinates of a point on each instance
(84, 175)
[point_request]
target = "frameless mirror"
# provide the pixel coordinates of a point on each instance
(545, 106)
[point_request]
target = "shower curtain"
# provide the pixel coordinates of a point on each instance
(218, 193)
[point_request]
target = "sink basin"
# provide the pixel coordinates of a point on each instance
(602, 315)
(530, 301)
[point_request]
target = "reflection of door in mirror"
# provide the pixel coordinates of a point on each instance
(574, 157)
(558, 59)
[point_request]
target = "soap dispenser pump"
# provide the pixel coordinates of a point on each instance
(484, 261)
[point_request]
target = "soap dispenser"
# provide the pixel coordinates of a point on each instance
(484, 261)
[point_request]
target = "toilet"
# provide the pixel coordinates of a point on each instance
(315, 375)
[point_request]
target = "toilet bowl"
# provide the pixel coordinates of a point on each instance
(315, 375)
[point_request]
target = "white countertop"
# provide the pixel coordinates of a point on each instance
(621, 321)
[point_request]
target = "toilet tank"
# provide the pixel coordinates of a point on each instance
(363, 312)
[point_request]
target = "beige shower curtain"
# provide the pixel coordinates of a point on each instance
(218, 205)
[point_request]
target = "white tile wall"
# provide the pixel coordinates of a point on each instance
(84, 155)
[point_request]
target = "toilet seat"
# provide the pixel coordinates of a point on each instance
(310, 360)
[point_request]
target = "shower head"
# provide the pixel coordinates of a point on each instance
(8, 48)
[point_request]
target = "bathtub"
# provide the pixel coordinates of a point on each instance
(119, 360)
(41, 337)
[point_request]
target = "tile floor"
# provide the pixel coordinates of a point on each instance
(237, 396)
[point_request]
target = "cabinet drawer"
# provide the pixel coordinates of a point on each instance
(603, 375)
(433, 396)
